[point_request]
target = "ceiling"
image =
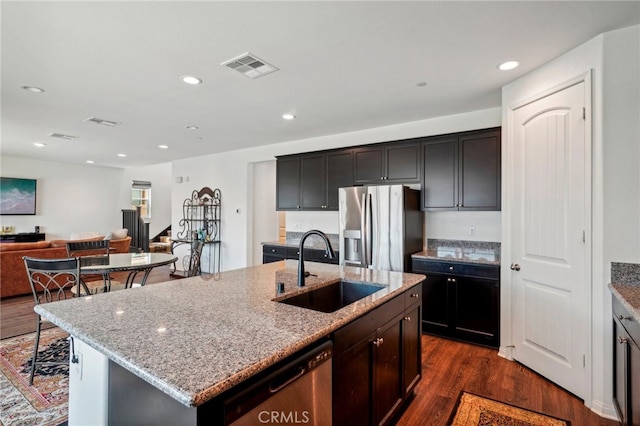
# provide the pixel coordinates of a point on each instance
(343, 66)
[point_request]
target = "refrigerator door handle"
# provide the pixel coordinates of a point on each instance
(363, 229)
(369, 236)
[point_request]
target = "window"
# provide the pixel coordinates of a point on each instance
(141, 197)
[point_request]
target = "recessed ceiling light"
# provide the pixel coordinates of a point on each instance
(90, 161)
(163, 146)
(189, 79)
(39, 144)
(192, 127)
(122, 155)
(288, 116)
(33, 89)
(508, 65)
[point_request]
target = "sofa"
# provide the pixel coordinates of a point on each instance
(13, 275)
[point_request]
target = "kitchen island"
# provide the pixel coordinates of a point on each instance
(197, 338)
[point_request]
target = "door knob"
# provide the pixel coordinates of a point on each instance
(515, 267)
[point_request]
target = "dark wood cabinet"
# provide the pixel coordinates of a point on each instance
(377, 362)
(387, 163)
(462, 171)
(276, 253)
(626, 365)
(23, 237)
(311, 181)
(461, 300)
(339, 175)
(288, 183)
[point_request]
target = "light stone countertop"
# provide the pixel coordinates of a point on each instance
(629, 296)
(481, 252)
(625, 286)
(197, 337)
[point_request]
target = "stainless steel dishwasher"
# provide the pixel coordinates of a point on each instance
(298, 392)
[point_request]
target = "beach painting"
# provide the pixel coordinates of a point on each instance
(17, 196)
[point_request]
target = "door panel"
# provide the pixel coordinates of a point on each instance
(313, 182)
(440, 174)
(550, 291)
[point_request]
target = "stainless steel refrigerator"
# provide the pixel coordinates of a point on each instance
(380, 226)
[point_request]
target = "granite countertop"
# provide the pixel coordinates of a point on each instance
(625, 286)
(311, 242)
(197, 337)
(487, 253)
(629, 296)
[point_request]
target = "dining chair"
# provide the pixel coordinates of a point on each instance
(97, 249)
(50, 280)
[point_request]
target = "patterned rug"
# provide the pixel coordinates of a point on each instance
(474, 410)
(44, 403)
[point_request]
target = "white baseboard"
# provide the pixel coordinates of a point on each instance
(608, 411)
(506, 352)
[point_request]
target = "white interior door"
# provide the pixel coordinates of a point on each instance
(550, 214)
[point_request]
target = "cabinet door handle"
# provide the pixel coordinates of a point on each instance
(416, 295)
(448, 280)
(453, 280)
(622, 340)
(622, 317)
(407, 318)
(451, 268)
(378, 342)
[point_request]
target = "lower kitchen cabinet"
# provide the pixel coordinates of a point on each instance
(626, 368)
(461, 300)
(276, 253)
(377, 362)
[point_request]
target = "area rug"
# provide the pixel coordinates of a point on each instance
(474, 410)
(46, 402)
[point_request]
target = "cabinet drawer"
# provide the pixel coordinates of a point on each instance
(354, 332)
(413, 295)
(455, 268)
(274, 250)
(627, 320)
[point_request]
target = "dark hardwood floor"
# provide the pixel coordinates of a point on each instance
(449, 367)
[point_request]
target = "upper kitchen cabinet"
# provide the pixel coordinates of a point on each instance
(462, 171)
(311, 181)
(387, 163)
(288, 183)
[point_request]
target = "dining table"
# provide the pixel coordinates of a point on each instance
(134, 263)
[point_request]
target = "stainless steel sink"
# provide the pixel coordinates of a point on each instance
(332, 297)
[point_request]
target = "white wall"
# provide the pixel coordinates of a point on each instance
(613, 59)
(70, 198)
(84, 198)
(231, 173)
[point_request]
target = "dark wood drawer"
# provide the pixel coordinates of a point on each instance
(455, 268)
(274, 250)
(354, 332)
(627, 320)
(413, 295)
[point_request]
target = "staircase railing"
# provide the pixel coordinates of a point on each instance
(138, 228)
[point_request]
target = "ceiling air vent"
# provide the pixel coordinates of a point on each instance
(250, 65)
(62, 136)
(102, 122)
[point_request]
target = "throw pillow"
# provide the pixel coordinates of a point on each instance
(118, 234)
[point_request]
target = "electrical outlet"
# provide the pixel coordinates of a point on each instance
(77, 366)
(472, 231)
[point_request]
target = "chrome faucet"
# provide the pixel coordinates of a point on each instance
(329, 251)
